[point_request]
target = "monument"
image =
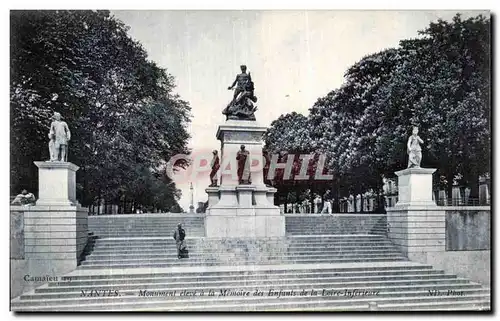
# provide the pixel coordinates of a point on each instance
(415, 182)
(55, 227)
(242, 205)
(415, 221)
(191, 203)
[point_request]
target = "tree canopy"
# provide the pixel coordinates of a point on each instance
(126, 121)
(439, 82)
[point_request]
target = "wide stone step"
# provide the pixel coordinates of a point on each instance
(283, 255)
(161, 264)
(255, 247)
(332, 282)
(267, 247)
(335, 231)
(182, 279)
(187, 302)
(467, 304)
(243, 258)
(304, 251)
(288, 242)
(198, 252)
(406, 267)
(202, 256)
(210, 245)
(386, 287)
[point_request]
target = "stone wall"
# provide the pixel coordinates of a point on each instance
(467, 229)
(17, 235)
(46, 242)
(455, 239)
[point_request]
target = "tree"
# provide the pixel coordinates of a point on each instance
(439, 82)
(125, 119)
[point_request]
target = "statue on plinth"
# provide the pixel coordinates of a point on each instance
(414, 149)
(242, 106)
(214, 165)
(59, 136)
(243, 166)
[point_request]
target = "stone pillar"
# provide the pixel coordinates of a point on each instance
(415, 187)
(483, 194)
(416, 224)
(213, 196)
(56, 183)
(270, 195)
(55, 229)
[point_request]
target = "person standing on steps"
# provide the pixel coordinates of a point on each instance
(179, 236)
(327, 207)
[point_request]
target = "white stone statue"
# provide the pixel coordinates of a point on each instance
(414, 149)
(59, 136)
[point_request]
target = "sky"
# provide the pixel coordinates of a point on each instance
(294, 58)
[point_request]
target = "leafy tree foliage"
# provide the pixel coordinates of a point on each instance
(125, 120)
(439, 82)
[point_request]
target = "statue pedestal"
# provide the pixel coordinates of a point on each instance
(56, 183)
(213, 196)
(415, 187)
(415, 224)
(55, 229)
(242, 210)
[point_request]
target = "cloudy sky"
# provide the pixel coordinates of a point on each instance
(294, 57)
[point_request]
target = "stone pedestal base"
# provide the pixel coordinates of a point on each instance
(54, 239)
(245, 226)
(213, 196)
(56, 183)
(415, 187)
(415, 224)
(416, 230)
(54, 232)
(242, 211)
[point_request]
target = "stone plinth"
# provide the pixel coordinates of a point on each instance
(233, 134)
(242, 210)
(55, 229)
(56, 183)
(415, 187)
(213, 196)
(270, 195)
(415, 223)
(54, 239)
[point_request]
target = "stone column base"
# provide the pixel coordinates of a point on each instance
(417, 229)
(56, 183)
(415, 187)
(243, 211)
(245, 225)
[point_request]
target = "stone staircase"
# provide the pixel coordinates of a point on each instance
(145, 225)
(332, 271)
(342, 223)
(155, 252)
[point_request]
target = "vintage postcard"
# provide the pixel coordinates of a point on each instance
(298, 160)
